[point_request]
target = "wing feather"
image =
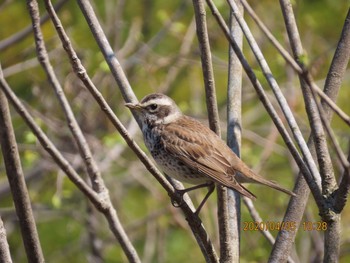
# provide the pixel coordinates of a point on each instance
(200, 152)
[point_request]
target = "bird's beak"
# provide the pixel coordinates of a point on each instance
(133, 106)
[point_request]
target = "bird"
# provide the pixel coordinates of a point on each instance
(187, 150)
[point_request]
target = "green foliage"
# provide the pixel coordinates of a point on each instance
(60, 209)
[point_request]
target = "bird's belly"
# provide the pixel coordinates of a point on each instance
(179, 171)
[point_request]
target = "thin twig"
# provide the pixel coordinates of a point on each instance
(342, 193)
(296, 207)
(322, 153)
(207, 66)
(9, 42)
(230, 248)
(341, 156)
(194, 222)
(73, 125)
(279, 96)
(327, 100)
(85, 152)
(47, 144)
(292, 62)
(17, 183)
(264, 99)
(5, 255)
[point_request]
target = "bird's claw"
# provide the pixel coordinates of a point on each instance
(178, 196)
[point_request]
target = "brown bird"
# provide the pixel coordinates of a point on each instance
(190, 152)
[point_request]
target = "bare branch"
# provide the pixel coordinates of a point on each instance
(5, 255)
(101, 201)
(17, 183)
(264, 99)
(228, 230)
(207, 66)
(339, 64)
(340, 154)
(47, 144)
(8, 42)
(279, 96)
(231, 200)
(194, 222)
(296, 206)
(332, 85)
(344, 188)
(293, 63)
(322, 153)
(80, 140)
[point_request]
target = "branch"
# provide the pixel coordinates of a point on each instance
(5, 255)
(293, 63)
(341, 156)
(207, 66)
(341, 195)
(231, 200)
(194, 222)
(17, 183)
(332, 85)
(264, 99)
(8, 42)
(322, 153)
(85, 152)
(229, 227)
(280, 98)
(73, 125)
(296, 206)
(47, 144)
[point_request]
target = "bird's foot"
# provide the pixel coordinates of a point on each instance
(177, 200)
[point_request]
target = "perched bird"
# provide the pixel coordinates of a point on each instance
(189, 151)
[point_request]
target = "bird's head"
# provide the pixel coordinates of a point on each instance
(156, 109)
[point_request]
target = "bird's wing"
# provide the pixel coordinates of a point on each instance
(192, 145)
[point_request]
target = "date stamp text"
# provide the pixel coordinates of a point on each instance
(284, 226)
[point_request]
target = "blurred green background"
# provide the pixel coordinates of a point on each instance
(156, 44)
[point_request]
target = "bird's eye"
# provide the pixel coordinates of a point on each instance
(153, 107)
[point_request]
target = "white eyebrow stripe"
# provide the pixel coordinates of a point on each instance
(161, 101)
(172, 117)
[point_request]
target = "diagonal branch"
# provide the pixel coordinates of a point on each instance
(8, 42)
(85, 152)
(73, 125)
(17, 183)
(207, 66)
(343, 191)
(322, 153)
(194, 222)
(279, 96)
(265, 101)
(293, 63)
(234, 134)
(5, 255)
(297, 206)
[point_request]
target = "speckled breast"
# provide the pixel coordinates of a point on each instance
(170, 164)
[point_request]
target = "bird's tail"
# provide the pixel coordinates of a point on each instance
(250, 176)
(274, 185)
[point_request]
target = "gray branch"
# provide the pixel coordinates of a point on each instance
(297, 206)
(17, 184)
(5, 255)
